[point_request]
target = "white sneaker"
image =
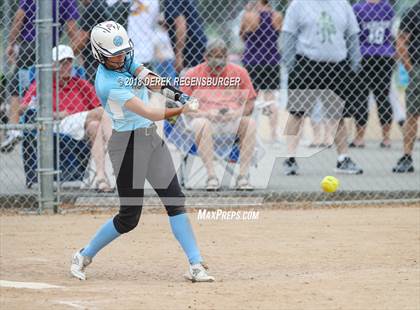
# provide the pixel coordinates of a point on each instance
(198, 273)
(78, 265)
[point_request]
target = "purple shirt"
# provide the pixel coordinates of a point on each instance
(261, 46)
(67, 11)
(375, 21)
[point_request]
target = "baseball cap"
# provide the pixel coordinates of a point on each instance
(64, 51)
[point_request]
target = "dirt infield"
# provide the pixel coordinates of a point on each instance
(352, 258)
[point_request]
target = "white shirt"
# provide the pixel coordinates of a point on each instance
(163, 46)
(321, 27)
(142, 22)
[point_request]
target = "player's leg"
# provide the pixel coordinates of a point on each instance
(122, 151)
(162, 176)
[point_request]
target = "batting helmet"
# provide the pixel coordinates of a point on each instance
(109, 39)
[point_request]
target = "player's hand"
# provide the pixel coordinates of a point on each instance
(11, 54)
(191, 105)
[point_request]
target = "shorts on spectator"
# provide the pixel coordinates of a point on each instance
(310, 81)
(264, 76)
(413, 92)
(74, 125)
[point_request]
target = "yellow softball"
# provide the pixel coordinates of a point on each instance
(330, 184)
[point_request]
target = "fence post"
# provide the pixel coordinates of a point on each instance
(44, 24)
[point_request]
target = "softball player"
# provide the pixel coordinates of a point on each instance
(136, 150)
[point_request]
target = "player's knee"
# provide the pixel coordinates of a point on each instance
(176, 204)
(124, 224)
(175, 210)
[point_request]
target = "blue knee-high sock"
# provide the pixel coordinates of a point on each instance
(182, 230)
(103, 236)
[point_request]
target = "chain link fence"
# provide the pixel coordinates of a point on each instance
(274, 84)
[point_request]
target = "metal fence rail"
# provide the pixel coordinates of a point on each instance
(54, 133)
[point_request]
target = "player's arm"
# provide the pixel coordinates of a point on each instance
(137, 106)
(14, 33)
(155, 83)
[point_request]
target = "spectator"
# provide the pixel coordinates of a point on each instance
(375, 21)
(223, 109)
(260, 29)
(164, 54)
(317, 38)
(94, 12)
(22, 35)
(142, 22)
(79, 111)
(185, 28)
(408, 50)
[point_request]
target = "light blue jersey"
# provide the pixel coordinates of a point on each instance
(114, 89)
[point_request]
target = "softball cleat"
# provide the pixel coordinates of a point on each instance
(198, 273)
(78, 265)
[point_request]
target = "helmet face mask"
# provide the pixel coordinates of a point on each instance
(124, 65)
(110, 39)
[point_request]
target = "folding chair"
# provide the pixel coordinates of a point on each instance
(226, 146)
